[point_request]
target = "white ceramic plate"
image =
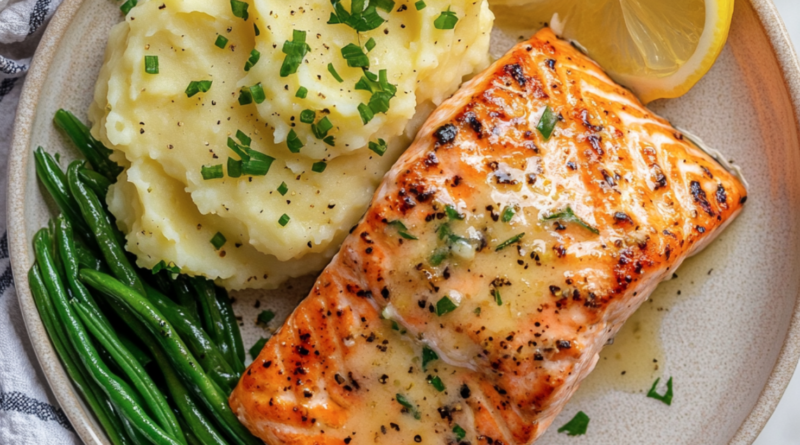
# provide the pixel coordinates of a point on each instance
(727, 329)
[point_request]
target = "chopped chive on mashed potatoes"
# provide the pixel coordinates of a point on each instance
(271, 125)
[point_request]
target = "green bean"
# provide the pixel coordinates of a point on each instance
(115, 388)
(196, 421)
(185, 296)
(55, 182)
(97, 182)
(200, 345)
(100, 225)
(182, 360)
(162, 281)
(142, 357)
(232, 334)
(136, 374)
(87, 388)
(87, 258)
(211, 316)
(95, 152)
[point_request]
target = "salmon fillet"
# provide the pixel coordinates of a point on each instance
(492, 265)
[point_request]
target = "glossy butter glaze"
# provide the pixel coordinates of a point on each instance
(516, 305)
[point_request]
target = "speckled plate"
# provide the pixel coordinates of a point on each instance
(726, 328)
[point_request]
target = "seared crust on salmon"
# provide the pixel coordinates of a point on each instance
(492, 265)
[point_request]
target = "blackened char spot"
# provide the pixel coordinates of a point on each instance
(595, 142)
(473, 122)
(431, 160)
(587, 123)
(722, 196)
(446, 133)
(660, 179)
(700, 198)
(622, 217)
(551, 63)
(516, 72)
(609, 179)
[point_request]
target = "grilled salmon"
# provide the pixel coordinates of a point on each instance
(535, 211)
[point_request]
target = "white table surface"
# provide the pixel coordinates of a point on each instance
(784, 426)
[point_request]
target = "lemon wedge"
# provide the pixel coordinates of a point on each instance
(657, 48)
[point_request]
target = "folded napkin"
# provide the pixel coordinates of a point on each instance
(29, 414)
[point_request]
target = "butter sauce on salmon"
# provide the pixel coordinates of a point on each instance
(535, 211)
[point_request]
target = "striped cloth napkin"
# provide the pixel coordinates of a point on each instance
(29, 414)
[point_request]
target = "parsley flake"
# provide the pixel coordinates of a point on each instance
(445, 305)
(667, 397)
(428, 355)
(547, 123)
(446, 20)
(577, 426)
(295, 51)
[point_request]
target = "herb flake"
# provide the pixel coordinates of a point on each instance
(547, 123)
(577, 426)
(445, 305)
(667, 397)
(218, 240)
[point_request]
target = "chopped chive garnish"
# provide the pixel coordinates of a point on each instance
(258, 164)
(257, 92)
(402, 230)
(577, 426)
(293, 142)
(428, 355)
(308, 116)
(420, 5)
(234, 168)
(252, 60)
(330, 140)
(283, 188)
(211, 171)
(497, 298)
(151, 64)
(510, 241)
(162, 265)
(446, 20)
(459, 432)
(378, 147)
(569, 216)
(243, 152)
(508, 214)
(257, 347)
(477, 311)
(445, 306)
(264, 317)
(366, 113)
(284, 220)
(256, 30)
(295, 51)
(382, 91)
(547, 123)
(333, 72)
(127, 6)
(321, 128)
(452, 213)
(386, 5)
(407, 405)
(221, 42)
(239, 9)
(439, 255)
(667, 397)
(370, 44)
(198, 86)
(245, 97)
(243, 138)
(319, 167)
(362, 16)
(302, 92)
(218, 241)
(355, 56)
(436, 382)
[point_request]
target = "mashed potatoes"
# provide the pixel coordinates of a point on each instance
(167, 139)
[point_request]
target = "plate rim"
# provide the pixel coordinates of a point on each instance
(62, 388)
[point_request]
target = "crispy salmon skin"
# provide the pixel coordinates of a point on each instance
(492, 265)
